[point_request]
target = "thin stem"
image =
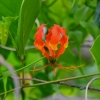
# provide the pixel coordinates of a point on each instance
(31, 79)
(36, 69)
(10, 90)
(79, 87)
(23, 67)
(29, 64)
(65, 79)
(13, 41)
(43, 82)
(60, 83)
(89, 85)
(11, 70)
(13, 49)
(37, 22)
(23, 73)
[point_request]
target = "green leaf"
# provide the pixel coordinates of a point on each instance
(44, 88)
(74, 1)
(67, 91)
(68, 58)
(81, 13)
(9, 7)
(29, 12)
(1, 87)
(78, 37)
(91, 3)
(5, 85)
(95, 51)
(3, 33)
(4, 29)
(8, 20)
(91, 27)
(97, 15)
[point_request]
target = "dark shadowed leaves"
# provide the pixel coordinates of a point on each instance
(97, 15)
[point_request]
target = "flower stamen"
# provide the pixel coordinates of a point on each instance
(69, 68)
(54, 69)
(36, 69)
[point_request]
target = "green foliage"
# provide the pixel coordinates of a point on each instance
(97, 15)
(28, 14)
(95, 51)
(17, 17)
(66, 91)
(5, 85)
(91, 4)
(91, 27)
(10, 11)
(80, 13)
(9, 7)
(2, 88)
(3, 33)
(4, 29)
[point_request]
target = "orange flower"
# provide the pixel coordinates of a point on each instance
(56, 35)
(49, 47)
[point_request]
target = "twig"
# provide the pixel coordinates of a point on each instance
(16, 81)
(22, 67)
(87, 87)
(54, 82)
(37, 22)
(11, 91)
(23, 73)
(32, 79)
(13, 49)
(8, 48)
(32, 47)
(86, 46)
(61, 80)
(80, 87)
(61, 83)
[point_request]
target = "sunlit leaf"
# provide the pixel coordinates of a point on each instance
(4, 29)
(67, 91)
(3, 33)
(95, 51)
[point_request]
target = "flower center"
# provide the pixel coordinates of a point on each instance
(52, 61)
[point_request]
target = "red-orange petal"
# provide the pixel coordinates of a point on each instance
(38, 37)
(63, 41)
(53, 37)
(60, 51)
(39, 43)
(45, 53)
